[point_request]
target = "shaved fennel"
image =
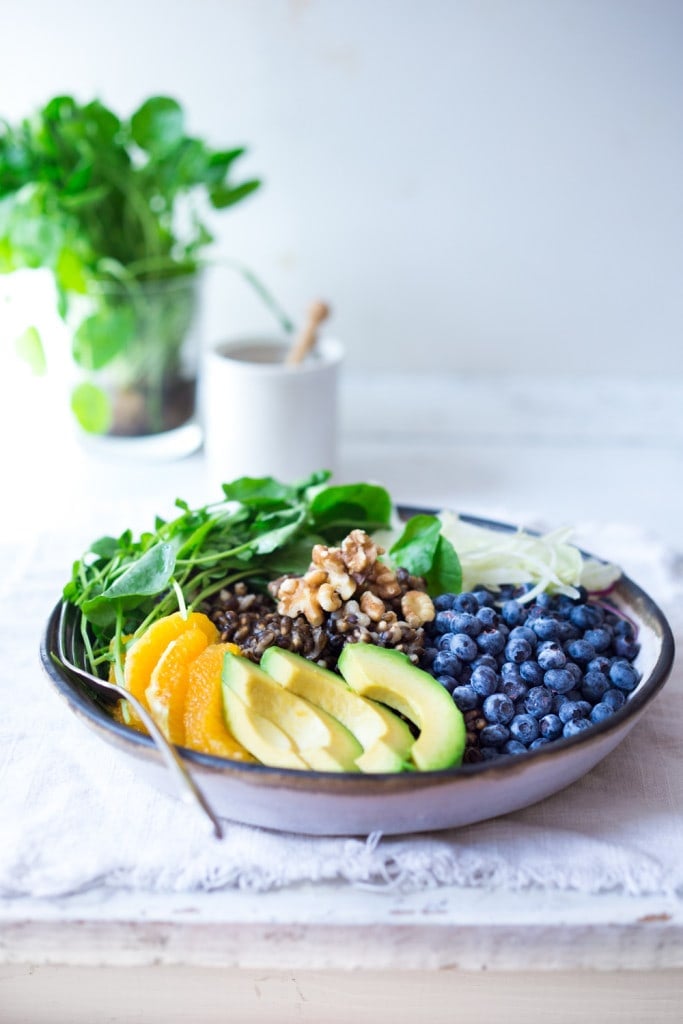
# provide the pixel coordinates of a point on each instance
(491, 558)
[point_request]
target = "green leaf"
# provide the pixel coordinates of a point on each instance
(158, 125)
(102, 124)
(220, 163)
(445, 575)
(363, 505)
(259, 492)
(91, 407)
(424, 551)
(105, 547)
(59, 108)
(103, 336)
(223, 196)
(148, 576)
(70, 272)
(29, 347)
(416, 547)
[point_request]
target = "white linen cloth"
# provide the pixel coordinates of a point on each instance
(74, 816)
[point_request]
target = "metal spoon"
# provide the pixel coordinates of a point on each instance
(189, 792)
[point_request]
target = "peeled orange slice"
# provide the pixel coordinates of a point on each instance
(143, 654)
(167, 690)
(205, 726)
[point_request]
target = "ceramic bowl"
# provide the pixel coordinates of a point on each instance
(318, 803)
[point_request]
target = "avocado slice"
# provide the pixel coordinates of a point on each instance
(261, 737)
(389, 676)
(385, 738)
(318, 739)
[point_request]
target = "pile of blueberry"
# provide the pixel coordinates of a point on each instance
(525, 674)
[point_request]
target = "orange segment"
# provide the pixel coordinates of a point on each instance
(143, 654)
(205, 727)
(168, 685)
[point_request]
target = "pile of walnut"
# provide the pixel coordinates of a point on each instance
(346, 595)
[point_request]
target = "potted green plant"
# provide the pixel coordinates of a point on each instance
(116, 209)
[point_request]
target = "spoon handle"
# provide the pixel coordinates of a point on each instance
(317, 314)
(189, 791)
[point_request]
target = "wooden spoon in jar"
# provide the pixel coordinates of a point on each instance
(304, 343)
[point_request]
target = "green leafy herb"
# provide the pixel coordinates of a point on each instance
(424, 551)
(79, 185)
(261, 530)
(115, 208)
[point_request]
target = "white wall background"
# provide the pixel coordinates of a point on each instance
(476, 184)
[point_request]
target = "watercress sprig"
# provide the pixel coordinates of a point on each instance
(261, 529)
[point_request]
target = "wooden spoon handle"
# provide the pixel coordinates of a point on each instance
(318, 312)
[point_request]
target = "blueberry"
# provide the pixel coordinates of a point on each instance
(514, 747)
(558, 679)
(489, 753)
(564, 605)
(465, 698)
(532, 673)
(575, 726)
(524, 728)
(586, 616)
(443, 642)
(464, 646)
(445, 602)
(545, 600)
(546, 628)
(571, 711)
(498, 709)
(494, 735)
(540, 741)
(601, 711)
(622, 627)
(615, 699)
(443, 621)
(518, 650)
(539, 701)
(599, 637)
(550, 655)
(623, 675)
(580, 650)
(513, 613)
(485, 660)
(465, 622)
(524, 633)
(599, 664)
(626, 648)
(575, 672)
(568, 631)
(509, 672)
(550, 726)
(446, 663)
(484, 597)
(491, 641)
(595, 684)
(487, 616)
(448, 682)
(466, 602)
(484, 680)
(515, 689)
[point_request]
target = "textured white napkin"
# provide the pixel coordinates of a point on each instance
(73, 815)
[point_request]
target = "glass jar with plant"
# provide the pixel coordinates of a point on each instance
(117, 210)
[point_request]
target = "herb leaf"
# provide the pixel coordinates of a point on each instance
(424, 551)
